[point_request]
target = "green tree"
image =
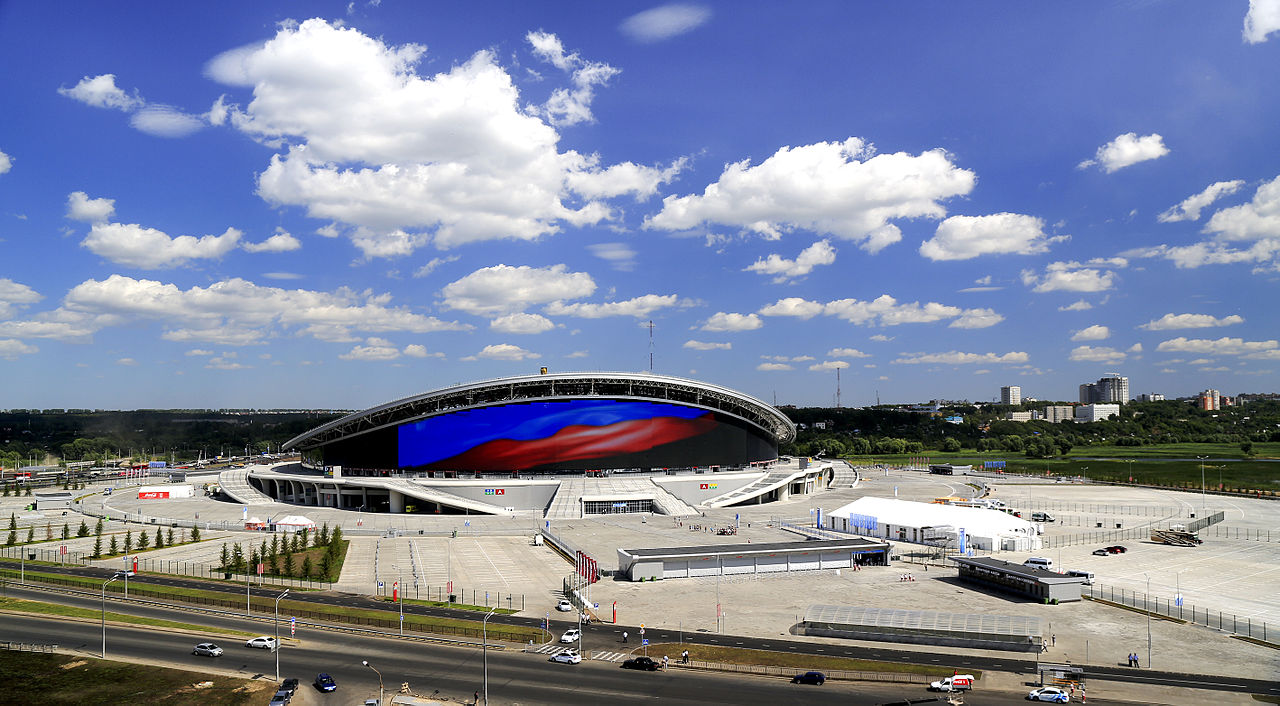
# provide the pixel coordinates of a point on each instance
(31, 535)
(335, 541)
(237, 558)
(951, 444)
(143, 540)
(28, 493)
(169, 538)
(128, 541)
(13, 521)
(326, 565)
(66, 531)
(97, 529)
(1247, 447)
(225, 558)
(195, 534)
(97, 547)
(6, 490)
(275, 545)
(12, 539)
(306, 567)
(83, 530)
(114, 549)
(288, 564)
(159, 538)
(275, 566)
(323, 538)
(305, 538)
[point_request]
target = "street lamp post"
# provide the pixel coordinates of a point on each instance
(484, 629)
(400, 595)
(1147, 604)
(1203, 501)
(104, 615)
(277, 645)
(365, 662)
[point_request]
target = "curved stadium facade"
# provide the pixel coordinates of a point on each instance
(561, 422)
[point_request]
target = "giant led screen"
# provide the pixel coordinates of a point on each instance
(577, 434)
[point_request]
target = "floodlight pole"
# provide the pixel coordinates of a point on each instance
(400, 595)
(1203, 501)
(104, 615)
(484, 627)
(277, 645)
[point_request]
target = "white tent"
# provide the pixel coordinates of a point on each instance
(294, 522)
(932, 523)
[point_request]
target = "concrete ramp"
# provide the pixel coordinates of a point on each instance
(235, 483)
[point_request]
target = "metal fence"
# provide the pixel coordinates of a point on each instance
(1249, 533)
(28, 647)
(770, 670)
(1142, 531)
(472, 596)
(1227, 622)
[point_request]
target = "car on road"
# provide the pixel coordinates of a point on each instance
(290, 685)
(810, 678)
(571, 635)
(955, 682)
(567, 657)
(1117, 549)
(1052, 694)
(280, 699)
(325, 683)
(263, 642)
(564, 605)
(125, 574)
(645, 663)
(1100, 552)
(207, 649)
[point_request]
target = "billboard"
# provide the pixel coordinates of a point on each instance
(575, 434)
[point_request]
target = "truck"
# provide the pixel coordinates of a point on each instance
(1042, 517)
(955, 682)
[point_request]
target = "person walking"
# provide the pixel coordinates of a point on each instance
(624, 637)
(684, 656)
(664, 663)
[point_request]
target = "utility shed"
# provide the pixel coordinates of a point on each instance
(1042, 585)
(726, 559)
(53, 499)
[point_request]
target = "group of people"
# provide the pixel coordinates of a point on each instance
(906, 577)
(1133, 659)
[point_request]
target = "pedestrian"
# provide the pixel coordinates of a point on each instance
(664, 662)
(476, 700)
(624, 637)
(1053, 639)
(684, 656)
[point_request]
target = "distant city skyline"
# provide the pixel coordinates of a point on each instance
(339, 204)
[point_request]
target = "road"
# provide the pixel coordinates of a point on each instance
(514, 678)
(607, 636)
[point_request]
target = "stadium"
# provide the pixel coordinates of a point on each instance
(555, 445)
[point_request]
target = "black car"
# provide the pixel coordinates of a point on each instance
(809, 678)
(1117, 549)
(645, 663)
(289, 685)
(325, 683)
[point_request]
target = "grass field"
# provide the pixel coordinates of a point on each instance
(1169, 465)
(61, 679)
(800, 662)
(40, 608)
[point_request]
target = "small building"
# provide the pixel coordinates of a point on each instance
(55, 500)
(1096, 412)
(1037, 584)
(726, 559)
(944, 525)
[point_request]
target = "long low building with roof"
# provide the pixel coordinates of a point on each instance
(727, 559)
(950, 526)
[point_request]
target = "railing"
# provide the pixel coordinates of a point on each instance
(28, 647)
(842, 674)
(440, 594)
(1142, 531)
(1227, 622)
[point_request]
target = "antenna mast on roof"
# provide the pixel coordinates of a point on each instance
(650, 345)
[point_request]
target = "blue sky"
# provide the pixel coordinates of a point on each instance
(263, 204)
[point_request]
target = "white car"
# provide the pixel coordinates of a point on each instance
(571, 635)
(1050, 693)
(564, 605)
(568, 657)
(264, 642)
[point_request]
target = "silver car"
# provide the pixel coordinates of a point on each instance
(207, 649)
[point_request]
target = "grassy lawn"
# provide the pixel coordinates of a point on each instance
(801, 662)
(75, 612)
(61, 679)
(459, 606)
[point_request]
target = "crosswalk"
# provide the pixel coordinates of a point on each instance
(552, 649)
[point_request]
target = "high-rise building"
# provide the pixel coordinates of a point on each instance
(1210, 400)
(1151, 397)
(1105, 390)
(1059, 413)
(1096, 412)
(1011, 394)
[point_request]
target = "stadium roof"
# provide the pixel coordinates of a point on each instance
(530, 388)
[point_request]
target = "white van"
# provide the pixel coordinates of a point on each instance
(958, 682)
(1086, 575)
(1039, 562)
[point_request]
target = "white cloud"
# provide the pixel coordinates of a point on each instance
(1203, 253)
(82, 208)
(126, 361)
(1189, 209)
(820, 253)
(521, 324)
(10, 348)
(880, 337)
(6, 163)
(977, 318)
(14, 295)
(793, 306)
(1263, 19)
(198, 352)
(789, 359)
(847, 353)
(101, 92)
(1069, 277)
(701, 346)
(223, 363)
(1258, 219)
(620, 255)
(431, 266)
(282, 275)
(967, 237)
(502, 289)
(398, 159)
(1221, 346)
(829, 365)
(148, 249)
(505, 351)
(842, 189)
(1100, 354)
(1135, 348)
(165, 121)
(639, 307)
(1097, 332)
(1080, 305)
(664, 22)
(768, 367)
(578, 354)
(417, 350)
(375, 349)
(280, 242)
(1127, 149)
(1170, 322)
(569, 106)
(721, 321)
(959, 358)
